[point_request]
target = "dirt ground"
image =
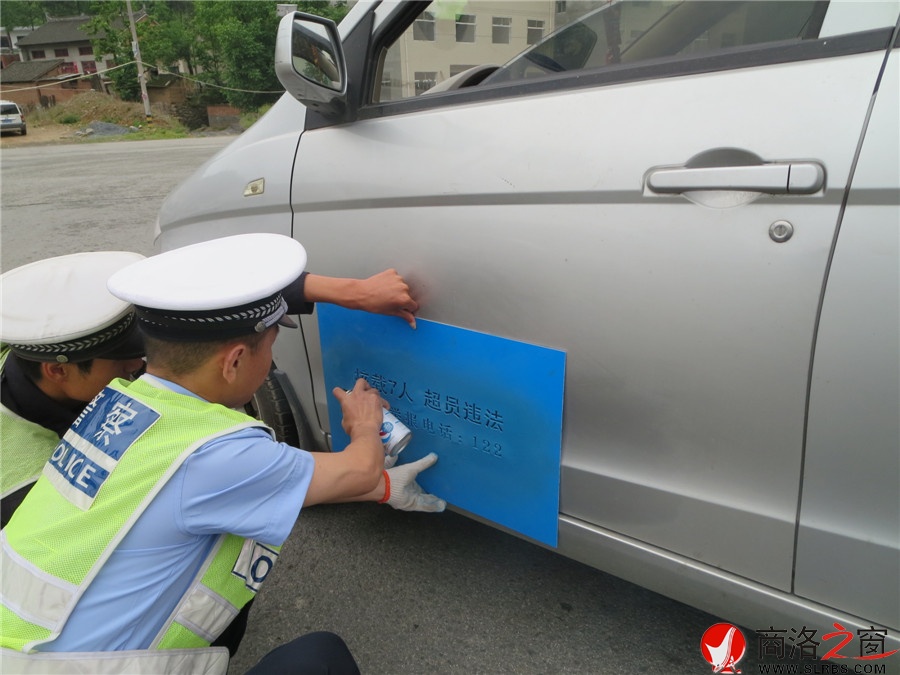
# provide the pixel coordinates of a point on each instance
(42, 135)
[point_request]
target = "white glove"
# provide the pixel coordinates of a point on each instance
(404, 493)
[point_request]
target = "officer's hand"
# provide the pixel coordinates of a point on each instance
(406, 493)
(363, 411)
(388, 293)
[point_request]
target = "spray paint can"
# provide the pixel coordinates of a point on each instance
(394, 435)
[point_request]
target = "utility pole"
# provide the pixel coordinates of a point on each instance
(136, 49)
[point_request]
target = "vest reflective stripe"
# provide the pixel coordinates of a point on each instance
(36, 596)
(202, 611)
(207, 661)
(26, 447)
(205, 612)
(183, 424)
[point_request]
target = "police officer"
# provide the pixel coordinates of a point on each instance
(163, 508)
(63, 337)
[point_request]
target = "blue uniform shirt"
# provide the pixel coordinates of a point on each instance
(244, 484)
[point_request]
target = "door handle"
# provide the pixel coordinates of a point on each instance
(788, 178)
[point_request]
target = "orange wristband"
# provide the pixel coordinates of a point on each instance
(387, 488)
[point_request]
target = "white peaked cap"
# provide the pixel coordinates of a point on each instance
(213, 290)
(59, 309)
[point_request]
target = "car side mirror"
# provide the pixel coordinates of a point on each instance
(309, 63)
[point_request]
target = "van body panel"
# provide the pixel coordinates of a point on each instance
(213, 199)
(534, 230)
(854, 407)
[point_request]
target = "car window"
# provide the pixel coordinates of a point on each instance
(629, 32)
(529, 40)
(9, 109)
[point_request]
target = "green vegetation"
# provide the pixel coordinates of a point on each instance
(148, 132)
(227, 45)
(83, 109)
(248, 118)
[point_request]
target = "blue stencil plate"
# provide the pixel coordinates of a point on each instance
(490, 407)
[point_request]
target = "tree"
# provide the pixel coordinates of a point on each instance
(238, 47)
(21, 15)
(334, 11)
(168, 36)
(229, 44)
(61, 8)
(110, 34)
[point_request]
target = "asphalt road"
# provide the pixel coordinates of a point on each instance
(59, 199)
(410, 593)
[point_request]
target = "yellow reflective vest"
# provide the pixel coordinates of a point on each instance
(101, 476)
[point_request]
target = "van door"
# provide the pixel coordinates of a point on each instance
(623, 191)
(854, 426)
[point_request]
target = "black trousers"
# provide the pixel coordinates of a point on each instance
(231, 637)
(321, 653)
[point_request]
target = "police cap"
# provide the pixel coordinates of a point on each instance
(214, 290)
(59, 309)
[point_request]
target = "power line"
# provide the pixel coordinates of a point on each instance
(217, 86)
(72, 79)
(131, 63)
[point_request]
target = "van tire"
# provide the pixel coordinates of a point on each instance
(270, 404)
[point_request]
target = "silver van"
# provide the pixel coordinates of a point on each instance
(698, 202)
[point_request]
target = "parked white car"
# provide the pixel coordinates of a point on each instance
(12, 118)
(699, 202)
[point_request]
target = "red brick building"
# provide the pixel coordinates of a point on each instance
(40, 83)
